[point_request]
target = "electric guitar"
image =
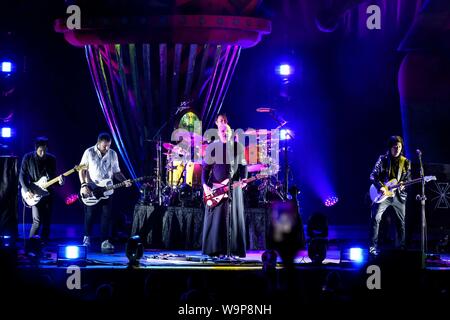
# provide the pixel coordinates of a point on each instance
(391, 186)
(39, 188)
(103, 189)
(219, 191)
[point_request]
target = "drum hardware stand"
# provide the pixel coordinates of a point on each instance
(158, 171)
(281, 123)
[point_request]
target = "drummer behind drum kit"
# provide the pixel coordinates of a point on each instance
(183, 183)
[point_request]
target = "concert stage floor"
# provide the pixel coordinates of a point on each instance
(167, 280)
(192, 259)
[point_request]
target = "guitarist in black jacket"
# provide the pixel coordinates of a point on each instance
(36, 165)
(392, 165)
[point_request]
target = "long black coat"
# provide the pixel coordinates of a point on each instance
(216, 169)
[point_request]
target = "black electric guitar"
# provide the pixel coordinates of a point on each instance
(219, 191)
(103, 189)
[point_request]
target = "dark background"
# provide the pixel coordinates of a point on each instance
(342, 103)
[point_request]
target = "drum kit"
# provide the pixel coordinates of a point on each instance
(183, 171)
(179, 167)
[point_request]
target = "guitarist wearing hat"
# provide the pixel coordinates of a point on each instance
(392, 165)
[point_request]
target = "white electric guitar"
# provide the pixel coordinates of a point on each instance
(391, 186)
(103, 189)
(39, 188)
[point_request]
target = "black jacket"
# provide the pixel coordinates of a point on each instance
(33, 168)
(381, 172)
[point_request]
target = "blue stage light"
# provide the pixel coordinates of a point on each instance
(6, 241)
(286, 134)
(356, 254)
(7, 66)
(6, 132)
(285, 70)
(71, 254)
(353, 255)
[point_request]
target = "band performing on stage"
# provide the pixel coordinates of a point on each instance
(213, 176)
(225, 157)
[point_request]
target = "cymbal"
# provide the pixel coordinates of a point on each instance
(189, 136)
(257, 132)
(265, 109)
(168, 146)
(256, 167)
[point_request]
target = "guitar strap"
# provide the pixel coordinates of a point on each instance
(401, 164)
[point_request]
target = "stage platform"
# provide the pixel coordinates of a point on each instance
(167, 280)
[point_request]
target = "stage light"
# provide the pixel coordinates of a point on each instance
(286, 134)
(71, 199)
(317, 231)
(353, 255)
(7, 66)
(269, 260)
(134, 251)
(6, 132)
(331, 201)
(285, 70)
(71, 255)
(6, 241)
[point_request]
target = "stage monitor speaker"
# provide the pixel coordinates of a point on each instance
(8, 195)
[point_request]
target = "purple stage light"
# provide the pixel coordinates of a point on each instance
(7, 66)
(71, 199)
(6, 132)
(331, 201)
(285, 70)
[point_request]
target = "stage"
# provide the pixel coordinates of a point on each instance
(166, 280)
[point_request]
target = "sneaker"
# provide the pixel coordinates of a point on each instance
(87, 241)
(107, 247)
(373, 251)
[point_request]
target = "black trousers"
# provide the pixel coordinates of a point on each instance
(377, 213)
(41, 218)
(105, 208)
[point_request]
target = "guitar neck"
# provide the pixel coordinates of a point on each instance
(407, 183)
(55, 180)
(122, 184)
(237, 183)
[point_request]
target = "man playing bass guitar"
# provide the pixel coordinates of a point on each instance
(102, 163)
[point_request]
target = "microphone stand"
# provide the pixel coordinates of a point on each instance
(229, 218)
(422, 198)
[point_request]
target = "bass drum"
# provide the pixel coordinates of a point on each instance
(194, 175)
(175, 173)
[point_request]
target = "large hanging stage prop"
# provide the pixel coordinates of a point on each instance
(148, 57)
